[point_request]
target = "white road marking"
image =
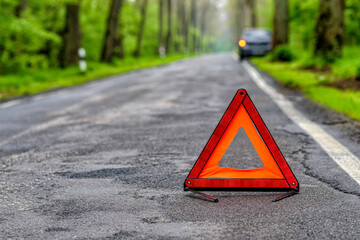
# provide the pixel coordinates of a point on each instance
(338, 152)
(9, 104)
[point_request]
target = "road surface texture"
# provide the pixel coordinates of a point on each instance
(107, 160)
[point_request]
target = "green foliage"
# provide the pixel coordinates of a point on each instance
(302, 23)
(282, 53)
(303, 15)
(33, 38)
(129, 24)
(150, 42)
(352, 21)
(26, 39)
(92, 22)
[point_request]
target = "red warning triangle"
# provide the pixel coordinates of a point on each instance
(276, 174)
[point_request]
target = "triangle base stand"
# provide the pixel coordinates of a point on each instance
(285, 195)
(214, 199)
(275, 199)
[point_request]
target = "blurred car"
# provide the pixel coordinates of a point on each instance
(255, 42)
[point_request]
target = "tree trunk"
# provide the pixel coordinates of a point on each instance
(281, 23)
(185, 32)
(111, 28)
(203, 18)
(179, 27)
(20, 8)
(193, 24)
(239, 18)
(339, 25)
(143, 9)
(120, 45)
(330, 29)
(324, 45)
(71, 37)
(161, 24)
(169, 30)
(252, 5)
(242, 20)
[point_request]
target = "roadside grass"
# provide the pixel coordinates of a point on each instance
(36, 81)
(289, 74)
(347, 102)
(346, 66)
(312, 83)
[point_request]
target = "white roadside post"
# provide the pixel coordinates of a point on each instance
(82, 63)
(162, 52)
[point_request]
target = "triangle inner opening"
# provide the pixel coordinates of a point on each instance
(241, 153)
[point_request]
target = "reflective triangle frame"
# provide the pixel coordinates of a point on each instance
(201, 178)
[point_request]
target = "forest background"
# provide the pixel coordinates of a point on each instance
(315, 39)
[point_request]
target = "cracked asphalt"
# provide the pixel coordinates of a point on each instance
(107, 160)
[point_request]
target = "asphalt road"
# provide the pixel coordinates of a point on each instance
(107, 160)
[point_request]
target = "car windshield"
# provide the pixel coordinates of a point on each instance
(256, 33)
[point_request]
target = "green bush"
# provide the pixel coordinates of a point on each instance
(358, 72)
(282, 53)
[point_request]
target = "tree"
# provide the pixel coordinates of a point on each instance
(120, 51)
(203, 21)
(169, 29)
(161, 25)
(111, 28)
(339, 25)
(324, 44)
(20, 8)
(329, 30)
(239, 18)
(210, 26)
(179, 25)
(281, 22)
(143, 7)
(185, 26)
(252, 6)
(193, 17)
(71, 37)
